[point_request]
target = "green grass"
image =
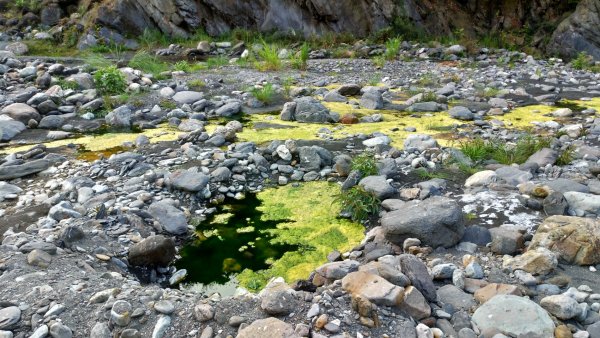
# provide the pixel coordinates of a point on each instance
(378, 61)
(218, 61)
(425, 174)
(48, 48)
(502, 152)
(182, 66)
(167, 104)
(359, 203)
(147, 63)
(196, 84)
(110, 81)
(264, 94)
(300, 60)
(96, 61)
(392, 47)
(486, 92)
(365, 163)
(585, 62)
(66, 85)
(566, 156)
(269, 58)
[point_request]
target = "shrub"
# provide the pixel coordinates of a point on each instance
(264, 93)
(300, 60)
(182, 66)
(566, 156)
(365, 163)
(378, 61)
(425, 174)
(392, 47)
(359, 203)
(110, 81)
(269, 55)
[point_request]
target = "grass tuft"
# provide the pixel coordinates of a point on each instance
(365, 163)
(359, 203)
(264, 94)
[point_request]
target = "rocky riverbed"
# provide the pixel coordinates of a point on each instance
(484, 169)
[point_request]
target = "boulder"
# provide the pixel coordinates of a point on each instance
(539, 261)
(337, 270)
(21, 112)
(371, 99)
(277, 298)
(492, 290)
(482, 178)
(349, 89)
(310, 110)
(579, 32)
(575, 240)
(543, 157)
(119, 118)
(455, 297)
(513, 175)
(229, 109)
(461, 113)
(268, 328)
(436, 221)
(152, 251)
(582, 203)
(561, 306)
(9, 172)
(419, 277)
(189, 180)
(376, 289)
(170, 218)
(414, 304)
(379, 186)
(187, 96)
(419, 142)
(514, 316)
(10, 128)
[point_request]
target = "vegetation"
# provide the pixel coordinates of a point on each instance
(196, 84)
(585, 62)
(269, 55)
(300, 60)
(359, 203)
(365, 163)
(66, 85)
(566, 156)
(148, 64)
(379, 61)
(502, 152)
(110, 81)
(392, 47)
(264, 94)
(218, 61)
(425, 174)
(167, 104)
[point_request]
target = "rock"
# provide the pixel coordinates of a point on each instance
(17, 48)
(119, 118)
(477, 235)
(277, 298)
(191, 125)
(288, 113)
(161, 327)
(414, 304)
(309, 158)
(9, 316)
(539, 261)
(461, 113)
(443, 271)
(229, 109)
(419, 142)
(563, 185)
(491, 290)
(334, 96)
(337, 270)
(343, 165)
(310, 110)
(39, 258)
(563, 112)
(514, 316)
(506, 241)
(377, 141)
(424, 107)
(40, 332)
(21, 112)
(204, 312)
(582, 203)
(436, 221)
(419, 277)
(152, 251)
(189, 180)
(58, 330)
(378, 186)
(268, 328)
(561, 306)
(83, 80)
(455, 297)
(376, 289)
(576, 240)
(10, 128)
(349, 89)
(63, 210)
(164, 306)
(578, 32)
(555, 204)
(543, 157)
(423, 331)
(481, 178)
(9, 172)
(187, 96)
(371, 99)
(170, 218)
(513, 175)
(100, 330)
(7, 190)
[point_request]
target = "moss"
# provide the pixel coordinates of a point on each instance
(99, 143)
(522, 117)
(315, 228)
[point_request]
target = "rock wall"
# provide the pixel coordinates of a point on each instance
(579, 32)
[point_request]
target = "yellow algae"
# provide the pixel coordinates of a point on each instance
(313, 225)
(523, 117)
(594, 103)
(98, 143)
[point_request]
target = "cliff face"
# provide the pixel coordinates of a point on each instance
(538, 18)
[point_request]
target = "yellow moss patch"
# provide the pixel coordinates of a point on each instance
(523, 117)
(315, 226)
(594, 103)
(98, 143)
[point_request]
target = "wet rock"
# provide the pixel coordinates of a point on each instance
(437, 221)
(170, 218)
(378, 186)
(516, 316)
(576, 240)
(154, 250)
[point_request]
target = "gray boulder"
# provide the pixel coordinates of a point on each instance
(229, 109)
(543, 157)
(579, 32)
(378, 185)
(9, 172)
(21, 112)
(119, 118)
(419, 142)
(189, 180)
(154, 250)
(371, 99)
(564, 185)
(309, 110)
(461, 113)
(187, 96)
(170, 218)
(513, 175)
(437, 221)
(427, 107)
(10, 128)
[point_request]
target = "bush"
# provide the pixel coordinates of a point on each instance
(110, 81)
(359, 203)
(392, 47)
(300, 60)
(264, 93)
(269, 55)
(365, 164)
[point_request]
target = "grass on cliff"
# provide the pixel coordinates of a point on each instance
(315, 227)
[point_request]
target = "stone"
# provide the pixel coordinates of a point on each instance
(161, 327)
(100, 330)
(371, 99)
(9, 316)
(455, 297)
(349, 89)
(515, 316)
(481, 179)
(334, 96)
(164, 306)
(563, 185)
(506, 241)
(461, 113)
(268, 328)
(376, 289)
(310, 110)
(120, 313)
(561, 306)
(414, 304)
(58, 330)
(229, 109)
(576, 240)
(155, 250)
(513, 175)
(204, 312)
(419, 277)
(436, 221)
(187, 96)
(577, 33)
(538, 261)
(83, 80)
(119, 118)
(10, 128)
(188, 180)
(582, 203)
(419, 142)
(63, 210)
(443, 271)
(477, 235)
(491, 290)
(9, 172)
(543, 157)
(278, 298)
(555, 204)
(337, 270)
(424, 107)
(170, 218)
(309, 158)
(40, 332)
(39, 258)
(17, 48)
(7, 190)
(378, 186)
(21, 112)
